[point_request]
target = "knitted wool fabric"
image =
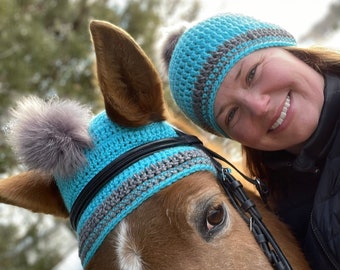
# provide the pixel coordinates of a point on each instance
(131, 187)
(204, 55)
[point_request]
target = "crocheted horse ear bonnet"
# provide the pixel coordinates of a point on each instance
(199, 59)
(57, 137)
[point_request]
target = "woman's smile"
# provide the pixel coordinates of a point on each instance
(282, 116)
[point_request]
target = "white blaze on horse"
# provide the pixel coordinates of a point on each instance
(131, 208)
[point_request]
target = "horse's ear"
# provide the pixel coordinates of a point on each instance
(129, 82)
(33, 191)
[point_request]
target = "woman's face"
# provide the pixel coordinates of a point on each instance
(270, 100)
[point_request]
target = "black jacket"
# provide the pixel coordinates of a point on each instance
(310, 183)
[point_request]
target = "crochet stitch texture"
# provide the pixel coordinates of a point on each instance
(206, 52)
(131, 187)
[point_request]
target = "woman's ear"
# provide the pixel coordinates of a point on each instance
(34, 191)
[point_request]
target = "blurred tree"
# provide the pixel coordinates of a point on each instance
(329, 24)
(32, 242)
(45, 49)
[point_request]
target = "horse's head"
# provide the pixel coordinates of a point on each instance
(164, 210)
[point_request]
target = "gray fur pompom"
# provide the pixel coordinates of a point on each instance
(170, 44)
(50, 136)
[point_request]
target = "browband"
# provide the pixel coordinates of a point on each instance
(120, 164)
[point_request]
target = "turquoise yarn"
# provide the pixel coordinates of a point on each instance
(131, 187)
(204, 55)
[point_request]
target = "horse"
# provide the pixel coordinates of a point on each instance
(187, 223)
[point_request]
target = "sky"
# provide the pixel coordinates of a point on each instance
(296, 16)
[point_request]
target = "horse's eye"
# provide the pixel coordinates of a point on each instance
(215, 216)
(211, 218)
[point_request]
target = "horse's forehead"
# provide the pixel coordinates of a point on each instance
(161, 233)
(144, 235)
(128, 253)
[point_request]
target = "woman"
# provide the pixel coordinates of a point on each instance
(245, 79)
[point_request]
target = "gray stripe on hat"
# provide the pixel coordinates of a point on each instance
(214, 66)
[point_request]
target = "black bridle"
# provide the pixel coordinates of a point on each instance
(232, 187)
(247, 209)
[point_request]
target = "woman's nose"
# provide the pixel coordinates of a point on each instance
(258, 104)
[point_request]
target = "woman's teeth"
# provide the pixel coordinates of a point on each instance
(283, 114)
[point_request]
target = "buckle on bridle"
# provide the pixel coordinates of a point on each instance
(262, 189)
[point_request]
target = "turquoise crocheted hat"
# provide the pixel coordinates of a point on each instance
(206, 52)
(60, 138)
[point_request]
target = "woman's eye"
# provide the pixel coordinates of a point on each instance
(251, 75)
(231, 115)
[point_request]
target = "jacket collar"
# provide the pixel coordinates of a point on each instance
(318, 145)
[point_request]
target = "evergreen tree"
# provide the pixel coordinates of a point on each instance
(45, 47)
(327, 26)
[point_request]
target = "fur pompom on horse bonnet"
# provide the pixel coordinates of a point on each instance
(50, 136)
